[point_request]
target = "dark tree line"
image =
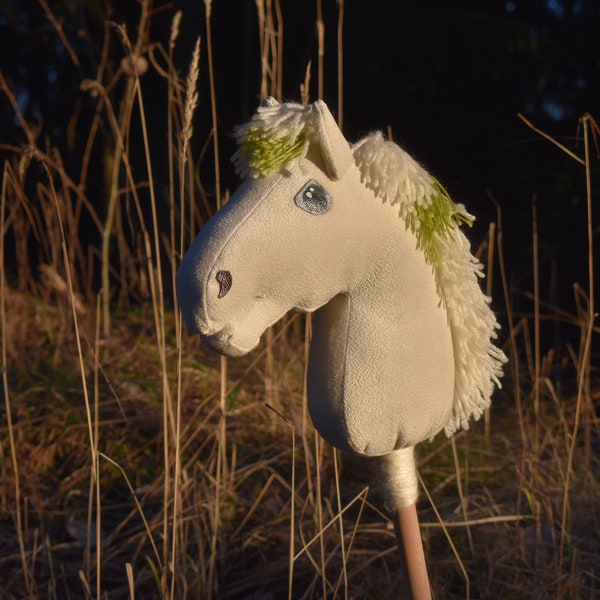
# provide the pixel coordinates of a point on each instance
(446, 78)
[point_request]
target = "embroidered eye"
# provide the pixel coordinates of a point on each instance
(225, 280)
(313, 198)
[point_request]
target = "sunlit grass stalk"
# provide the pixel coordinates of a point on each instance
(158, 313)
(537, 327)
(172, 79)
(156, 268)
(292, 519)
(361, 496)
(17, 111)
(94, 520)
(489, 287)
(271, 43)
(590, 124)
(336, 465)
(190, 106)
(270, 33)
(340, 64)
(137, 505)
(96, 442)
(29, 582)
(583, 387)
(155, 278)
(213, 102)
(130, 581)
(113, 199)
(461, 492)
(320, 24)
(61, 33)
(319, 508)
(221, 477)
(306, 423)
(279, 52)
(448, 537)
(513, 354)
(264, 61)
(119, 132)
(92, 419)
(95, 126)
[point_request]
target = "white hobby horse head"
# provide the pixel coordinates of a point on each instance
(403, 342)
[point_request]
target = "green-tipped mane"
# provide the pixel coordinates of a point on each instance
(438, 218)
(266, 153)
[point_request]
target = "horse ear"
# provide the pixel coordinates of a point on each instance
(334, 146)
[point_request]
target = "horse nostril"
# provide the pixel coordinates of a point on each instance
(225, 281)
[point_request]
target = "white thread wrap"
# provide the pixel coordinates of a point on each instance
(397, 474)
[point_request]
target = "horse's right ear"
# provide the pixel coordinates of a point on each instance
(334, 146)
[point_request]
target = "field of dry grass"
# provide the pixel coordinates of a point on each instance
(136, 464)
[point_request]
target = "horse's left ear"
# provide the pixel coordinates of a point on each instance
(334, 146)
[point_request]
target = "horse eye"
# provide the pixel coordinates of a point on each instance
(313, 198)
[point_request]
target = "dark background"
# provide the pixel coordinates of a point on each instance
(448, 78)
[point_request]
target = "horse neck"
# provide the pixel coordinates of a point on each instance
(382, 350)
(395, 271)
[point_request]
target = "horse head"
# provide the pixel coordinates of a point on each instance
(402, 344)
(283, 241)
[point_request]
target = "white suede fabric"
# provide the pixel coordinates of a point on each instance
(382, 367)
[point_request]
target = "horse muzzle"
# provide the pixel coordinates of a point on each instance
(224, 343)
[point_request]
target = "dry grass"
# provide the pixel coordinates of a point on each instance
(134, 463)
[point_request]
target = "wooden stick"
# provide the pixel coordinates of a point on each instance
(408, 536)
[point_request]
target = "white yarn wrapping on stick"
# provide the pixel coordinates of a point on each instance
(397, 474)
